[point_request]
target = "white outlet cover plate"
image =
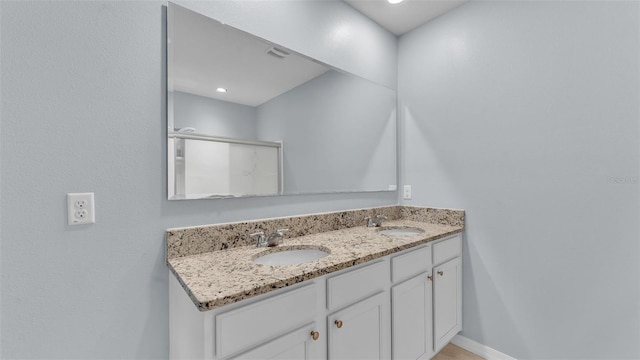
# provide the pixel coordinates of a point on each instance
(80, 208)
(407, 192)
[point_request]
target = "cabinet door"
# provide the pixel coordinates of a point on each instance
(296, 345)
(361, 331)
(447, 302)
(411, 319)
(248, 326)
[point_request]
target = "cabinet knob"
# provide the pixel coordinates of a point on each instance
(430, 277)
(338, 323)
(440, 272)
(315, 335)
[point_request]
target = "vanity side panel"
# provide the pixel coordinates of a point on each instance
(188, 341)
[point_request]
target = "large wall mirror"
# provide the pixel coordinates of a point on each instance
(247, 117)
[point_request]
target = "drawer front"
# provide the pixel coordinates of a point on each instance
(447, 249)
(241, 328)
(356, 284)
(411, 263)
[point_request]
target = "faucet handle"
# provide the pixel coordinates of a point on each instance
(261, 239)
(275, 238)
(281, 232)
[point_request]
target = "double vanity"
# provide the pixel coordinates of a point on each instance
(334, 288)
(324, 286)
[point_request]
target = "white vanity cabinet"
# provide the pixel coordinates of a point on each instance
(280, 325)
(411, 305)
(447, 290)
(426, 299)
(361, 329)
(402, 306)
(266, 320)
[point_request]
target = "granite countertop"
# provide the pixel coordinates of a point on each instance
(218, 278)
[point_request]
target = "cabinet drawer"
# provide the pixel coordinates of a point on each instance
(447, 249)
(256, 323)
(410, 263)
(356, 284)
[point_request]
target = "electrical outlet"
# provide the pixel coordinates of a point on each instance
(407, 192)
(80, 209)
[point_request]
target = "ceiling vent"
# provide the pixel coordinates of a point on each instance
(278, 52)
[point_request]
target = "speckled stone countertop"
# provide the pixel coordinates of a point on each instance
(220, 277)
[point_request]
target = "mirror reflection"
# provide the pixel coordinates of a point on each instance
(247, 117)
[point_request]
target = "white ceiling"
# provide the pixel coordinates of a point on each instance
(405, 16)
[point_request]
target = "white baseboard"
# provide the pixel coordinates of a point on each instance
(479, 349)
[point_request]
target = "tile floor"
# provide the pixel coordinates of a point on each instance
(453, 352)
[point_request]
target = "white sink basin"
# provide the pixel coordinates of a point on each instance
(400, 231)
(291, 256)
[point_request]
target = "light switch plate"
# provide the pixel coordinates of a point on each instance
(80, 208)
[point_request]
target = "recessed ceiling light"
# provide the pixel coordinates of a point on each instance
(221, 90)
(394, 1)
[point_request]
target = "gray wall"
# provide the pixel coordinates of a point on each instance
(360, 155)
(525, 114)
(82, 110)
(211, 116)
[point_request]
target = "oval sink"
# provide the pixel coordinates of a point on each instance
(400, 231)
(290, 256)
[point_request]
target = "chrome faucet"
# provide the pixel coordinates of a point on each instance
(276, 237)
(262, 241)
(272, 240)
(375, 221)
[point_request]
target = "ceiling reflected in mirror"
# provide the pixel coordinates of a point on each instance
(208, 56)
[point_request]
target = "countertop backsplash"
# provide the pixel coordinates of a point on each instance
(207, 238)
